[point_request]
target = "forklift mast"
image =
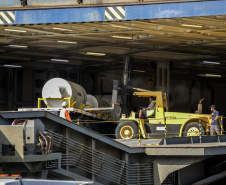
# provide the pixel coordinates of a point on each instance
(126, 92)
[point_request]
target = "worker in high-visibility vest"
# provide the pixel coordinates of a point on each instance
(150, 110)
(64, 112)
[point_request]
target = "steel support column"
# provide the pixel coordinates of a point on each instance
(67, 134)
(44, 174)
(93, 164)
(125, 82)
(127, 162)
(163, 76)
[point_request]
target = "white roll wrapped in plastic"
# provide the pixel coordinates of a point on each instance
(60, 88)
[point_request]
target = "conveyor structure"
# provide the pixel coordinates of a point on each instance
(82, 154)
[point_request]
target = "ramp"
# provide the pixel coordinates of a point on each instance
(104, 158)
(47, 117)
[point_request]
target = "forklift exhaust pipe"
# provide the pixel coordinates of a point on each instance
(200, 106)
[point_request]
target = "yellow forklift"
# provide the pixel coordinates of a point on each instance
(163, 123)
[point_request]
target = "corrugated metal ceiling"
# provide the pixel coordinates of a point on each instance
(185, 42)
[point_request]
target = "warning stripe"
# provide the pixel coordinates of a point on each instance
(11, 14)
(10, 19)
(108, 16)
(7, 17)
(122, 10)
(115, 13)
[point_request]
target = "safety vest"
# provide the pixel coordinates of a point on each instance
(151, 112)
(62, 113)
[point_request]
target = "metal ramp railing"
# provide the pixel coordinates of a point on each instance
(101, 164)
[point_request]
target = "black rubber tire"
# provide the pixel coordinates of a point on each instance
(129, 124)
(193, 124)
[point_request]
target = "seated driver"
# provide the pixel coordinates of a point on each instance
(148, 111)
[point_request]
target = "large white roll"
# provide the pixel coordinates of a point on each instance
(92, 101)
(60, 88)
(96, 102)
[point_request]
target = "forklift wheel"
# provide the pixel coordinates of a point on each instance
(193, 129)
(126, 130)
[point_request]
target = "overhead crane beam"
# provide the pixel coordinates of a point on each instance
(135, 12)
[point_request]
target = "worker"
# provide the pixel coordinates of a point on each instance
(214, 120)
(64, 112)
(150, 110)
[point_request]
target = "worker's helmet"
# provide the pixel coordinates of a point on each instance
(64, 104)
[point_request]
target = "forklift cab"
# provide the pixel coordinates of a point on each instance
(161, 104)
